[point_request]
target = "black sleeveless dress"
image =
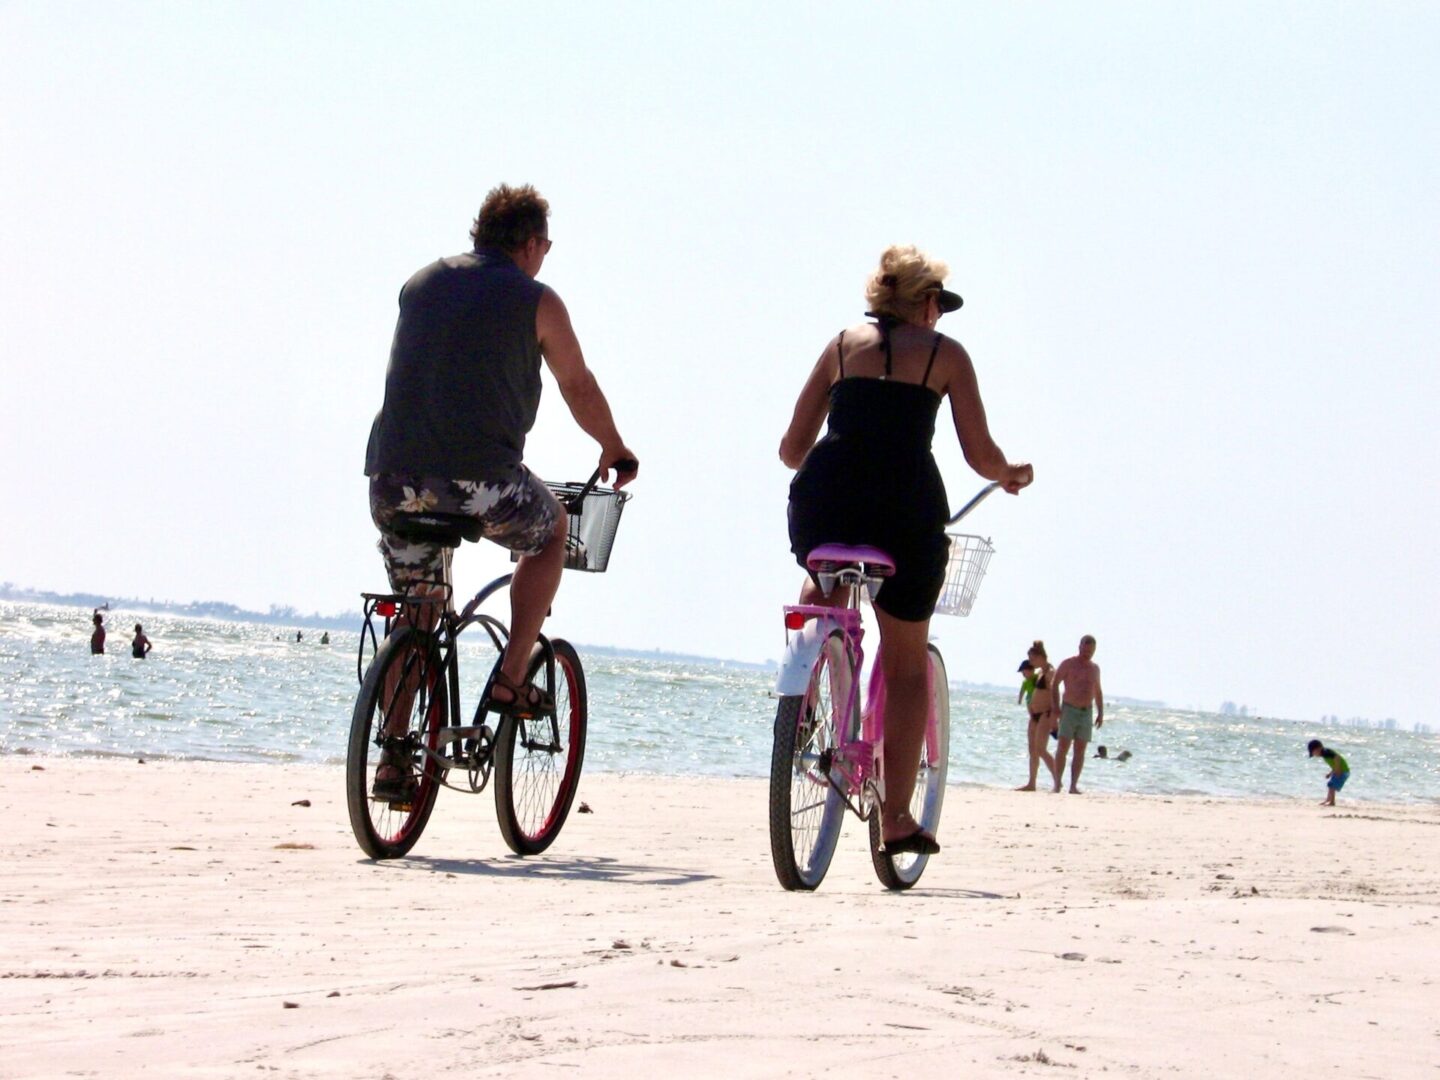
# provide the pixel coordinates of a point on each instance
(872, 479)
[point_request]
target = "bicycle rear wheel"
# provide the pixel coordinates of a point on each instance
(405, 684)
(806, 811)
(899, 872)
(537, 761)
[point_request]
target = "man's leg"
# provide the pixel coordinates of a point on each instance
(1076, 765)
(532, 591)
(1061, 750)
(426, 563)
(1042, 741)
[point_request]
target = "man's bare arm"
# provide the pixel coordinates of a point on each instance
(578, 385)
(1099, 699)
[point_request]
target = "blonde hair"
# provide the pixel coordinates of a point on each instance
(899, 285)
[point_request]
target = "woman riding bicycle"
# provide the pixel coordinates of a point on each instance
(873, 480)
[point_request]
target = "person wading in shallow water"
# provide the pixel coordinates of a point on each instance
(97, 638)
(140, 644)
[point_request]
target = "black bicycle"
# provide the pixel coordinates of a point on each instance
(407, 719)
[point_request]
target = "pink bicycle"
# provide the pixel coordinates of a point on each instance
(829, 753)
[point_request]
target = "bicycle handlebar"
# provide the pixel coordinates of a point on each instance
(620, 465)
(976, 501)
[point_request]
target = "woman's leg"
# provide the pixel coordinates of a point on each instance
(1034, 750)
(905, 662)
(1040, 729)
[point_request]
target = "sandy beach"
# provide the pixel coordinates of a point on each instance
(181, 919)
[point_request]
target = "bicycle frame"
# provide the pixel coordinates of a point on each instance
(857, 769)
(449, 625)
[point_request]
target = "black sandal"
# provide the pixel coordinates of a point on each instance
(919, 842)
(526, 701)
(398, 785)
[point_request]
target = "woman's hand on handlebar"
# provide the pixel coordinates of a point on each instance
(1017, 477)
(623, 461)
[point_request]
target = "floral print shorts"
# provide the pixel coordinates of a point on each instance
(515, 510)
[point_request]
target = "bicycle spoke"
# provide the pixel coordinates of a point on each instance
(538, 759)
(805, 806)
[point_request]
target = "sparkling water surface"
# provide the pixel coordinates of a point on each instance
(235, 691)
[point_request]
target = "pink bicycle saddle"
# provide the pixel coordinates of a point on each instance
(828, 556)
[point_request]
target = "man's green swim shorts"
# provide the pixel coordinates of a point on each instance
(1076, 723)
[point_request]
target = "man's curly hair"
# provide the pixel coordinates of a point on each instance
(509, 217)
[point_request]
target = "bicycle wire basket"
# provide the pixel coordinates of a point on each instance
(969, 558)
(593, 522)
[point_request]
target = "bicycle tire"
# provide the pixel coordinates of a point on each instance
(900, 872)
(538, 761)
(387, 829)
(806, 811)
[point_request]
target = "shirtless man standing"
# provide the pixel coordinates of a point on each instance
(1077, 691)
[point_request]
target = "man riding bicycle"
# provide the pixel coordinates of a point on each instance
(461, 392)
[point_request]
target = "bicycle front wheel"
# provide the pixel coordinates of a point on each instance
(899, 872)
(537, 761)
(806, 811)
(400, 711)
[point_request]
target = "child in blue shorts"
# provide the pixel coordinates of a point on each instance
(1339, 770)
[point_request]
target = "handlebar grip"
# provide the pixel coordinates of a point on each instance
(976, 501)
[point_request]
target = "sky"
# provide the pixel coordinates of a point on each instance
(1197, 246)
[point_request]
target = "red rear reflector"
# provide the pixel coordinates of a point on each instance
(386, 608)
(794, 620)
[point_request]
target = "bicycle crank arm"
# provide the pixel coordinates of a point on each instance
(456, 734)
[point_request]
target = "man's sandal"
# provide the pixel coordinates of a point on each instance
(526, 701)
(393, 781)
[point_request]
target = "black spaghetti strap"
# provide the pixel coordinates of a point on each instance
(934, 349)
(840, 349)
(885, 335)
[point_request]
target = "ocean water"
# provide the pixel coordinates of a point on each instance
(235, 691)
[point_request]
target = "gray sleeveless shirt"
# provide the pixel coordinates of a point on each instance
(463, 384)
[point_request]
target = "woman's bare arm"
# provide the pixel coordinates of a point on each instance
(968, 411)
(810, 409)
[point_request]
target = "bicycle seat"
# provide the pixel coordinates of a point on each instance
(833, 556)
(447, 530)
